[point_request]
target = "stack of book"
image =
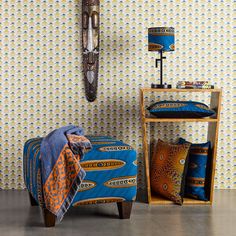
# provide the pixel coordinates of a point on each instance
(194, 85)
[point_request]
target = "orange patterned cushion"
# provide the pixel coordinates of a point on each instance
(167, 170)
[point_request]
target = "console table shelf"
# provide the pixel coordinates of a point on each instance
(212, 135)
(151, 119)
(158, 200)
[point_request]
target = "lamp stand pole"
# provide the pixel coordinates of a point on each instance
(161, 85)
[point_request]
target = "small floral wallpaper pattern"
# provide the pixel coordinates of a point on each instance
(41, 82)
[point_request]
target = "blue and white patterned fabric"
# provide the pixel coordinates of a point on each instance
(180, 109)
(111, 171)
(195, 185)
(161, 39)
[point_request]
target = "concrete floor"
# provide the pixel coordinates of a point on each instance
(17, 218)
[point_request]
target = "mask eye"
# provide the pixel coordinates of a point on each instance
(95, 20)
(85, 20)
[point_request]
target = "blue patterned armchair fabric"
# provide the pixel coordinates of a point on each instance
(111, 172)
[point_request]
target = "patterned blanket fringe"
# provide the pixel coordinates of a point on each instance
(68, 201)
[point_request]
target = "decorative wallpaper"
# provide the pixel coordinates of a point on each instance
(41, 85)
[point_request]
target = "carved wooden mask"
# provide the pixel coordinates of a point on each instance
(90, 27)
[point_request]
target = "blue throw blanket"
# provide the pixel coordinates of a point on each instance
(61, 151)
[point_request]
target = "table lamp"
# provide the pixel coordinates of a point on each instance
(161, 39)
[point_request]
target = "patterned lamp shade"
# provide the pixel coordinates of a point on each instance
(161, 39)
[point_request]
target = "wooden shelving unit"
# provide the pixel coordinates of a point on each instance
(212, 135)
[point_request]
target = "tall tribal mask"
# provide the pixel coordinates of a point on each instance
(90, 27)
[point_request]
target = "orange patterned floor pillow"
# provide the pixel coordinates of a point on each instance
(168, 169)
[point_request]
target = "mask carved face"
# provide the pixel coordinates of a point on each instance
(90, 28)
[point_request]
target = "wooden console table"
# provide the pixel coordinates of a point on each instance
(212, 135)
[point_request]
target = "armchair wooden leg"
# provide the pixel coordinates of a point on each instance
(32, 200)
(49, 218)
(124, 209)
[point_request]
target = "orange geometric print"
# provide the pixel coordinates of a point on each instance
(76, 138)
(167, 170)
(196, 182)
(60, 180)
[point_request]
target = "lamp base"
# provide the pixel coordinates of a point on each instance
(161, 86)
